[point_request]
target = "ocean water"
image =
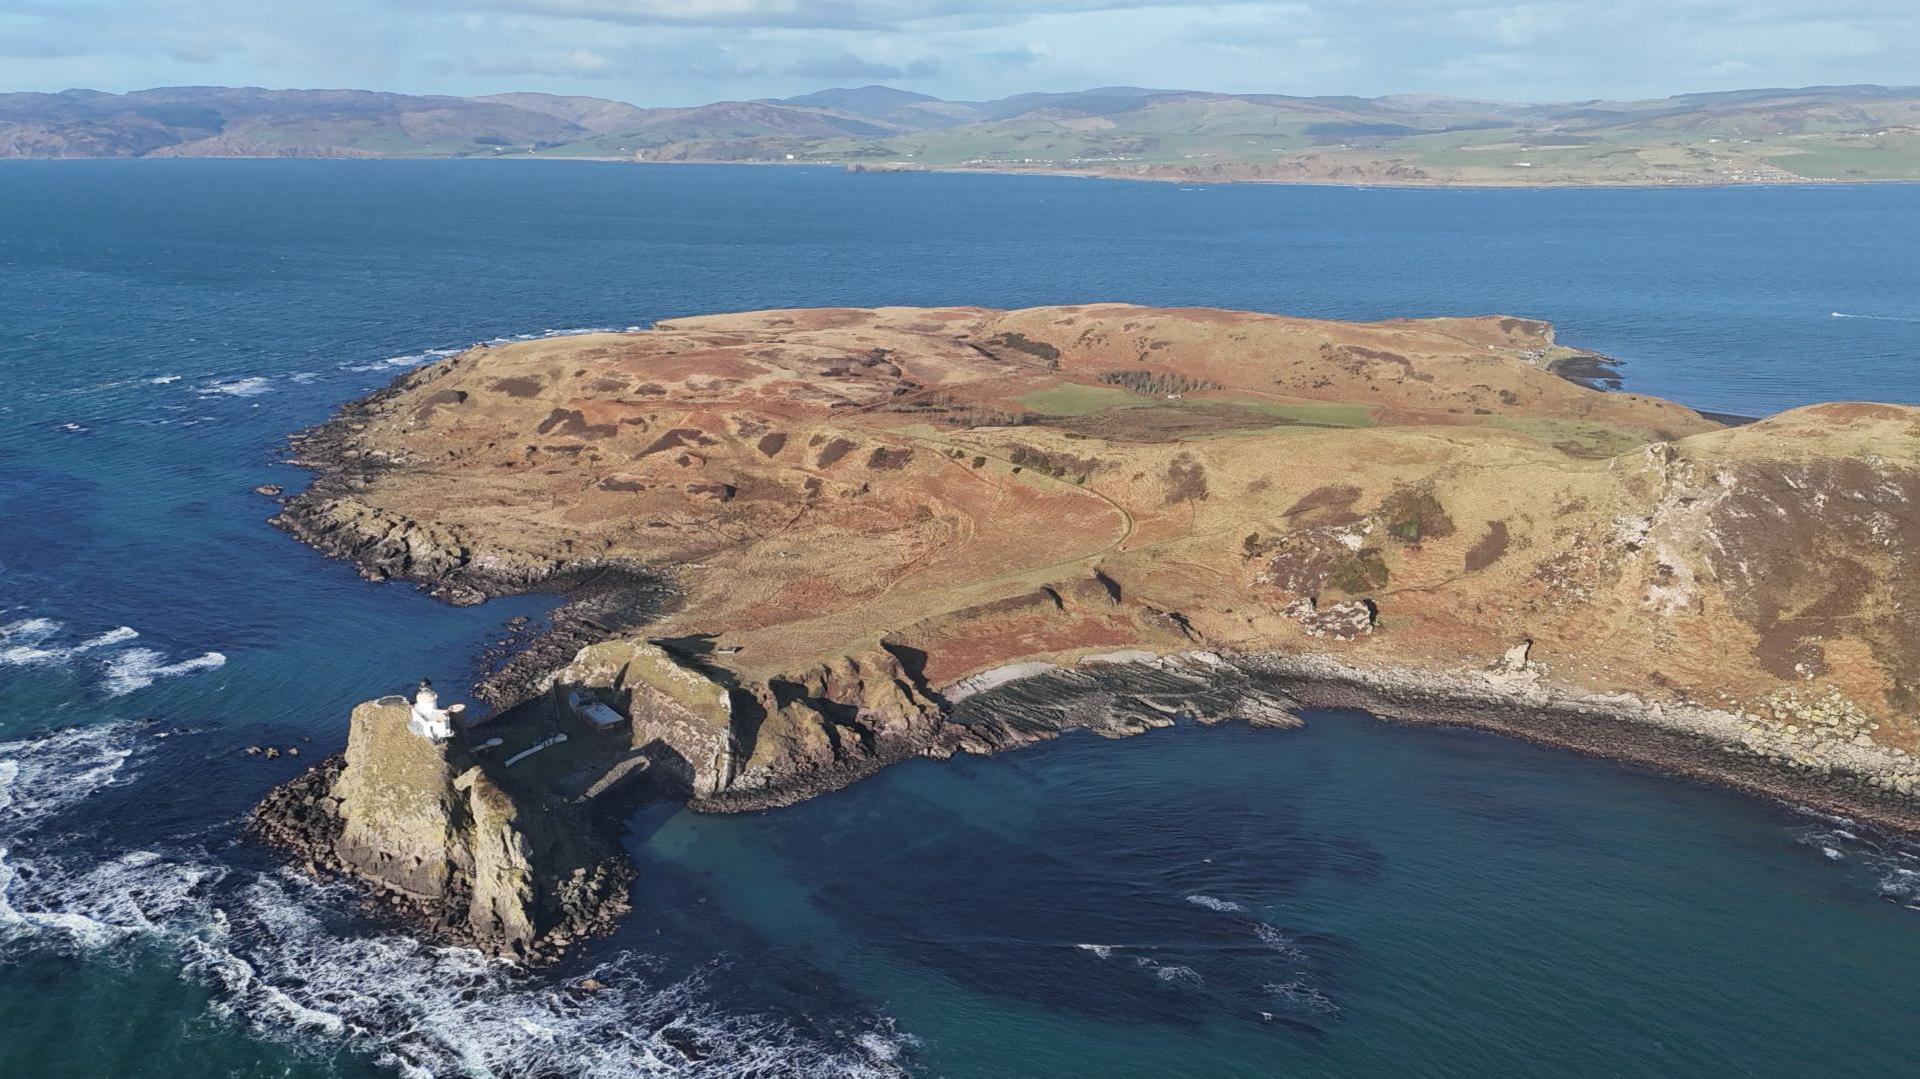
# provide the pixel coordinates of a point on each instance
(1352, 899)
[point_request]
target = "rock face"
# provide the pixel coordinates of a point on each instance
(712, 737)
(437, 836)
(681, 720)
(400, 812)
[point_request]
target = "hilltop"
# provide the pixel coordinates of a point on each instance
(1750, 136)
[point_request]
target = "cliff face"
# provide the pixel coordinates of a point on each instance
(403, 823)
(682, 721)
(710, 736)
(440, 838)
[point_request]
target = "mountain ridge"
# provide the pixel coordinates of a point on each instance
(1761, 135)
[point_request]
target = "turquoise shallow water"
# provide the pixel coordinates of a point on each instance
(1352, 899)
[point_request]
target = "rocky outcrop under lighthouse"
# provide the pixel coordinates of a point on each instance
(440, 834)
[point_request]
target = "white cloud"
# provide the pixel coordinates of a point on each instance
(1526, 24)
(577, 63)
(687, 51)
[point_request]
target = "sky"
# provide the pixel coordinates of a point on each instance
(679, 52)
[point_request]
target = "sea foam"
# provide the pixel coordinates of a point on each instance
(284, 957)
(1302, 996)
(1277, 941)
(1170, 973)
(138, 668)
(250, 386)
(1892, 863)
(32, 642)
(427, 355)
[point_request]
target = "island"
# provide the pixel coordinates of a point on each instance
(798, 546)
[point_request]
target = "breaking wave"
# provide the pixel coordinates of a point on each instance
(21, 642)
(1876, 318)
(1225, 906)
(1277, 941)
(43, 774)
(137, 668)
(32, 642)
(41, 777)
(282, 957)
(1892, 864)
(411, 359)
(1170, 973)
(250, 386)
(451, 1011)
(427, 355)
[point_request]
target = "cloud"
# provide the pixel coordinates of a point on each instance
(1013, 58)
(577, 63)
(691, 51)
(895, 15)
(1526, 24)
(849, 66)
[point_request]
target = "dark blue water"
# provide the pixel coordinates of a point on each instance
(1347, 900)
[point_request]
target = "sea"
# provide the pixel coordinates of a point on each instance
(1351, 899)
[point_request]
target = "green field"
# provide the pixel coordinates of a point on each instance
(1074, 399)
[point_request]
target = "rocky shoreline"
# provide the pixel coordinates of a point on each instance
(1120, 695)
(1112, 696)
(1741, 752)
(602, 599)
(1126, 694)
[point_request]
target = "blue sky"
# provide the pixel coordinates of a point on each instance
(690, 51)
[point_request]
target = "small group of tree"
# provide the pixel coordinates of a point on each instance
(1064, 466)
(1156, 383)
(1047, 354)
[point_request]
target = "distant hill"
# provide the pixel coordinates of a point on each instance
(901, 108)
(1741, 136)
